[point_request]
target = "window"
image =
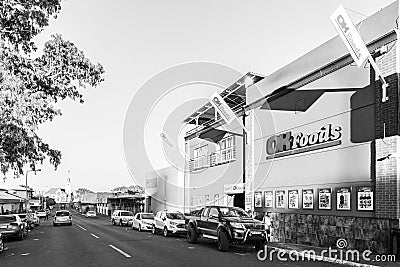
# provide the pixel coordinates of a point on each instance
(200, 157)
(225, 150)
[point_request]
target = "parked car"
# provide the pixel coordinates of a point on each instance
(1, 243)
(226, 225)
(143, 221)
(41, 213)
(91, 214)
(12, 226)
(169, 222)
(122, 217)
(62, 217)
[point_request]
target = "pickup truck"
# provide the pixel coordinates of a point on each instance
(226, 225)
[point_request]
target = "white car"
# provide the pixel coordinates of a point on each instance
(143, 221)
(91, 214)
(122, 217)
(169, 222)
(62, 217)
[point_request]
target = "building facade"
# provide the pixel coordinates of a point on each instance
(320, 151)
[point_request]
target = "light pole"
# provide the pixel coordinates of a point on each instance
(26, 186)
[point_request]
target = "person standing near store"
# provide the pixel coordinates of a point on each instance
(268, 224)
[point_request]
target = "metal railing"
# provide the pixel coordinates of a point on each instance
(213, 159)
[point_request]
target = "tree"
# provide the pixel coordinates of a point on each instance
(29, 87)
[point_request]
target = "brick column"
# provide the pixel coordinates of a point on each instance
(387, 141)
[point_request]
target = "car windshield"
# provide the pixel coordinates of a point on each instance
(126, 213)
(233, 212)
(7, 219)
(62, 213)
(147, 216)
(175, 216)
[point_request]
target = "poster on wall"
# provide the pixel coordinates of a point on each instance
(199, 200)
(258, 199)
(207, 197)
(293, 199)
(308, 199)
(280, 199)
(343, 197)
(269, 199)
(325, 199)
(365, 198)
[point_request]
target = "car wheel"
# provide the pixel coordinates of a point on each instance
(223, 242)
(191, 236)
(113, 222)
(120, 222)
(259, 245)
(54, 224)
(154, 230)
(139, 228)
(165, 232)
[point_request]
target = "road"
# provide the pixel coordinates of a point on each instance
(95, 242)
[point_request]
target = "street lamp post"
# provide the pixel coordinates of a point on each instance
(26, 186)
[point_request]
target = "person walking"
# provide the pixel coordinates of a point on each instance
(268, 224)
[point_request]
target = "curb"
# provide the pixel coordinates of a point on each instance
(325, 259)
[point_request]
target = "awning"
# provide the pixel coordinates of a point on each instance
(6, 198)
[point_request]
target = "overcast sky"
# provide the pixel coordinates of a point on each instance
(135, 40)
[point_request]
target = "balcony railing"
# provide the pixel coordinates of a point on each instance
(213, 159)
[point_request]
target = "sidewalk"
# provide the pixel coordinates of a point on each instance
(322, 254)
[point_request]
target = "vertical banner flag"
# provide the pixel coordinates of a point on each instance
(350, 36)
(224, 110)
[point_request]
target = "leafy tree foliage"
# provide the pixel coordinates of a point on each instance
(30, 87)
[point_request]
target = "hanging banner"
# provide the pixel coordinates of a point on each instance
(365, 198)
(280, 199)
(325, 199)
(308, 199)
(269, 199)
(343, 198)
(293, 199)
(350, 36)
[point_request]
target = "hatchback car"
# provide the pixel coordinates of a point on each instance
(91, 214)
(13, 226)
(122, 217)
(143, 221)
(169, 222)
(62, 217)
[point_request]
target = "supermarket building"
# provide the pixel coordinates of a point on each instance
(321, 151)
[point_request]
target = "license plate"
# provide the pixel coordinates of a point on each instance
(256, 233)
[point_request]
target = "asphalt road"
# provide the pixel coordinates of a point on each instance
(95, 242)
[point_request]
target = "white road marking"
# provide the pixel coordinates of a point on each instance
(120, 251)
(80, 227)
(190, 247)
(36, 239)
(25, 254)
(95, 236)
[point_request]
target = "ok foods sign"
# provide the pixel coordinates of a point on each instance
(289, 144)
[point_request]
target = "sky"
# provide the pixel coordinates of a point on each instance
(135, 40)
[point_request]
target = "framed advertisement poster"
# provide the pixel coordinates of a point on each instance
(325, 199)
(199, 200)
(365, 198)
(216, 199)
(258, 199)
(207, 198)
(280, 199)
(308, 199)
(293, 199)
(343, 198)
(269, 199)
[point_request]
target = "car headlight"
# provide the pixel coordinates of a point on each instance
(237, 225)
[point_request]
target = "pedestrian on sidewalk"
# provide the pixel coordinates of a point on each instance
(267, 220)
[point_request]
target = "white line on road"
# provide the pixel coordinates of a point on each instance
(120, 251)
(80, 227)
(95, 236)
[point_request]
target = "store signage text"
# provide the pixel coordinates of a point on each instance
(288, 144)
